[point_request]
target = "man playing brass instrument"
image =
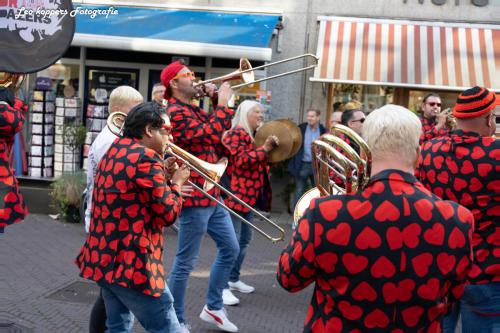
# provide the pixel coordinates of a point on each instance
(201, 135)
(463, 167)
(434, 121)
(390, 258)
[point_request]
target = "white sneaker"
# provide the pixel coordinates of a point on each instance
(228, 298)
(185, 328)
(219, 318)
(241, 287)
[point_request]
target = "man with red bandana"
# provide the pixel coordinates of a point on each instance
(392, 257)
(200, 134)
(12, 113)
(464, 167)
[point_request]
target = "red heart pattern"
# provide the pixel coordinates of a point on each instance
(395, 251)
(119, 232)
(469, 178)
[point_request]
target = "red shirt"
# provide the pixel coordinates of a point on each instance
(201, 135)
(464, 167)
(390, 258)
(250, 173)
(131, 203)
(12, 206)
(430, 131)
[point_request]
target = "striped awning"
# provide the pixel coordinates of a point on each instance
(408, 53)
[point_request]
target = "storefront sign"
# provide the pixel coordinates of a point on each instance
(43, 83)
(477, 3)
(34, 34)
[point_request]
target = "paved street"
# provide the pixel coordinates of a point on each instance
(40, 290)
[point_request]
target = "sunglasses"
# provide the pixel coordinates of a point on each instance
(362, 120)
(434, 104)
(166, 128)
(187, 74)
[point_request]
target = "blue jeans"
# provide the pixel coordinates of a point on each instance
(156, 314)
(479, 308)
(304, 181)
(194, 222)
(244, 234)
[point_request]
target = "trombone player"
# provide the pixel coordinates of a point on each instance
(383, 258)
(200, 134)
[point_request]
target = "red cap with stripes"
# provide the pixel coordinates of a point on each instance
(474, 102)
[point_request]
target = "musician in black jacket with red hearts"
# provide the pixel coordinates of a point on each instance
(392, 257)
(464, 167)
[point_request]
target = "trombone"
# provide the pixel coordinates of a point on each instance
(211, 172)
(247, 75)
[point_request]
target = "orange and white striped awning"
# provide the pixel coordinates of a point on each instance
(408, 53)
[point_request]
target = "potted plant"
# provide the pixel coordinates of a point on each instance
(74, 137)
(66, 192)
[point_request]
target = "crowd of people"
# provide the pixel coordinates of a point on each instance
(416, 249)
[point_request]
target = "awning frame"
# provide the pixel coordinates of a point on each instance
(173, 47)
(492, 57)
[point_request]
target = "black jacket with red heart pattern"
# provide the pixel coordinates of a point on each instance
(12, 206)
(429, 130)
(390, 258)
(201, 135)
(249, 171)
(464, 167)
(131, 204)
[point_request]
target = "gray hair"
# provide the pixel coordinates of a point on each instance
(241, 116)
(122, 96)
(393, 130)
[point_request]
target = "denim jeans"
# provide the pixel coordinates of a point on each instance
(156, 314)
(304, 181)
(194, 222)
(244, 234)
(479, 308)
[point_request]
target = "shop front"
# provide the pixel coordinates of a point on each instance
(130, 47)
(379, 61)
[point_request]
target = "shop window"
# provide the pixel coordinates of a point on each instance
(370, 97)
(448, 99)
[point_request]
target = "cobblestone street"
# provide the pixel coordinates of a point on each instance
(40, 290)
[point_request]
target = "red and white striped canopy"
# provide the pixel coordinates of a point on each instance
(408, 53)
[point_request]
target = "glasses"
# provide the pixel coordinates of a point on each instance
(187, 74)
(166, 128)
(434, 104)
(362, 120)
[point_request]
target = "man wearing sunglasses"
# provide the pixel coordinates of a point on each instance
(354, 119)
(463, 167)
(432, 118)
(135, 197)
(200, 134)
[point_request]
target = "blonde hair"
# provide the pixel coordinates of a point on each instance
(393, 130)
(123, 96)
(241, 116)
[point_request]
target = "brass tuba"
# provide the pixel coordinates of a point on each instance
(333, 157)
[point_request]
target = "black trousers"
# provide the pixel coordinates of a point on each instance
(97, 322)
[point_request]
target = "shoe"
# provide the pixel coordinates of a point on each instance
(219, 318)
(228, 298)
(241, 287)
(185, 328)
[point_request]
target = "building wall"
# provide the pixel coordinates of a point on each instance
(292, 94)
